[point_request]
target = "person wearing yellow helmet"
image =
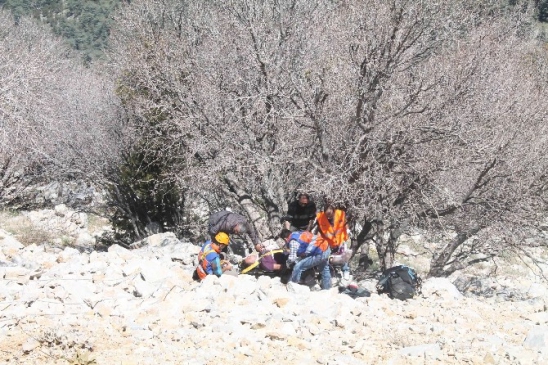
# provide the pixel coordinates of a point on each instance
(209, 258)
(222, 238)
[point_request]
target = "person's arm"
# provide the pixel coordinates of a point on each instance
(293, 247)
(287, 225)
(253, 235)
(313, 226)
(290, 215)
(315, 229)
(216, 266)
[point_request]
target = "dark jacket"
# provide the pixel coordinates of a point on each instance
(225, 221)
(298, 216)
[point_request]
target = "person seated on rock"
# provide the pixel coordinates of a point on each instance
(209, 258)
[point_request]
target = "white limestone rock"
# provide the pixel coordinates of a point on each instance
(67, 254)
(9, 243)
(18, 274)
(30, 345)
(155, 271)
(432, 349)
(143, 288)
(440, 287)
(258, 320)
(537, 338)
(537, 290)
(61, 210)
(84, 239)
(158, 240)
(297, 288)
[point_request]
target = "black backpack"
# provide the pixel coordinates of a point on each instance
(399, 282)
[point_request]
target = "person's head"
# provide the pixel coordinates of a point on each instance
(239, 229)
(221, 239)
(285, 234)
(329, 211)
(303, 199)
(250, 259)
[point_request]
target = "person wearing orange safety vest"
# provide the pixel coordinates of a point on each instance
(209, 258)
(333, 230)
(332, 227)
(295, 246)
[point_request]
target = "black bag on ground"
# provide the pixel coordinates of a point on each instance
(354, 291)
(399, 282)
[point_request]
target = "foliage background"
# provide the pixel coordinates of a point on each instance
(406, 115)
(84, 24)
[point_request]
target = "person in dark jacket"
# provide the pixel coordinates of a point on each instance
(233, 223)
(301, 214)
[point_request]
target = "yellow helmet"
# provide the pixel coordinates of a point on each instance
(222, 238)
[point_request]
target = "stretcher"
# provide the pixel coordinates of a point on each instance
(255, 265)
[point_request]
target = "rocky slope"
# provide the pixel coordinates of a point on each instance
(142, 307)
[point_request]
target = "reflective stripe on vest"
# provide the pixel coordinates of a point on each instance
(334, 234)
(202, 260)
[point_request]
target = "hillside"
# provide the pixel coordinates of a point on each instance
(84, 24)
(65, 306)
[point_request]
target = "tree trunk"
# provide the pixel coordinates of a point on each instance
(254, 214)
(441, 258)
(272, 212)
(362, 237)
(382, 251)
(386, 246)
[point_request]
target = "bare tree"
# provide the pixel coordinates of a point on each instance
(426, 134)
(405, 112)
(58, 120)
(226, 84)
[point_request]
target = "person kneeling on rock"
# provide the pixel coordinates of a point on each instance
(306, 253)
(209, 258)
(295, 246)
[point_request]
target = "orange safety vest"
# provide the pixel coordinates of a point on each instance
(203, 263)
(334, 235)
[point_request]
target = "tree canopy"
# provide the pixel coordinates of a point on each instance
(408, 114)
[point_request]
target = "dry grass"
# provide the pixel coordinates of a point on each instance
(96, 223)
(22, 228)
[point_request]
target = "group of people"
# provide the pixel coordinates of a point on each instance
(310, 239)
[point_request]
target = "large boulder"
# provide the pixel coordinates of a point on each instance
(440, 287)
(9, 245)
(157, 240)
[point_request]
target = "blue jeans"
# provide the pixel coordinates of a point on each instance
(321, 261)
